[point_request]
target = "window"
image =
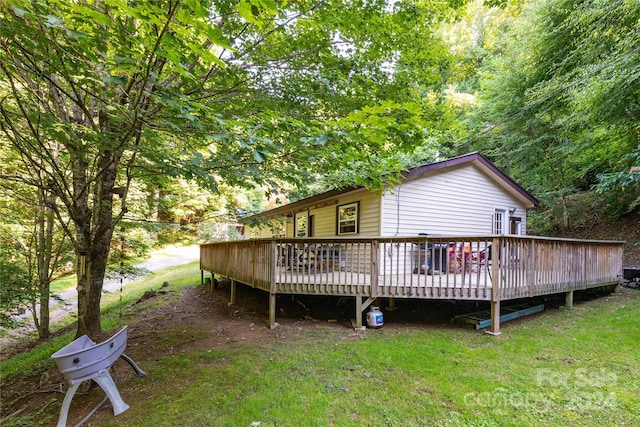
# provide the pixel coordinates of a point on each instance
(515, 225)
(301, 224)
(498, 222)
(311, 226)
(348, 218)
(279, 229)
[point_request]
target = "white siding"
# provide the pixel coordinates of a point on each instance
(460, 200)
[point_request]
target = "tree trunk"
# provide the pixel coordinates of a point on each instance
(155, 198)
(43, 324)
(565, 214)
(44, 253)
(96, 264)
(93, 241)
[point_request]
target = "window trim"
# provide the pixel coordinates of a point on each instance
(311, 220)
(356, 225)
(503, 214)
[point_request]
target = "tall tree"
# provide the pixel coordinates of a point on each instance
(103, 93)
(33, 249)
(562, 104)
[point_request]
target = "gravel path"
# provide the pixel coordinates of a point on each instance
(167, 257)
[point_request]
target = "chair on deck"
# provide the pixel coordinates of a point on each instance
(481, 259)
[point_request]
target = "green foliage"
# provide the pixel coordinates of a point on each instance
(101, 98)
(621, 190)
(217, 231)
(559, 102)
(228, 94)
(17, 290)
(25, 270)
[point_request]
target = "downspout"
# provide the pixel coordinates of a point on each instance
(398, 210)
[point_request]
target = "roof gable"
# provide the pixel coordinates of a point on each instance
(477, 159)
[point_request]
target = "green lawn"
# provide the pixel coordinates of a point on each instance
(575, 367)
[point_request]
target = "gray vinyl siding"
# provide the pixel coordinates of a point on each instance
(456, 201)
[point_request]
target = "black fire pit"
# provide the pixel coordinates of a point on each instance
(631, 276)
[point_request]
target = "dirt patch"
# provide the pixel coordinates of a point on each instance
(175, 322)
(587, 220)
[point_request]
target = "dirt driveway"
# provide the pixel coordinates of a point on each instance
(167, 257)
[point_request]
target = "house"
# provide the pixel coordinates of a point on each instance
(453, 229)
(465, 195)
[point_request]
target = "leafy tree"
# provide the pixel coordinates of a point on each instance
(622, 189)
(33, 249)
(560, 106)
(102, 94)
(16, 290)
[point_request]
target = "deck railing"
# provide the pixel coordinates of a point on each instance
(490, 268)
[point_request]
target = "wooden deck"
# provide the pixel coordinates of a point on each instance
(481, 268)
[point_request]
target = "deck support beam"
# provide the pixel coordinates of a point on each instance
(494, 329)
(392, 304)
(568, 300)
(211, 283)
(272, 311)
(232, 299)
(360, 308)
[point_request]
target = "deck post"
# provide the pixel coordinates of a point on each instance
(272, 311)
(531, 274)
(568, 300)
(201, 277)
(392, 304)
(374, 269)
(495, 318)
(360, 308)
(273, 292)
(358, 323)
(496, 249)
(232, 300)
